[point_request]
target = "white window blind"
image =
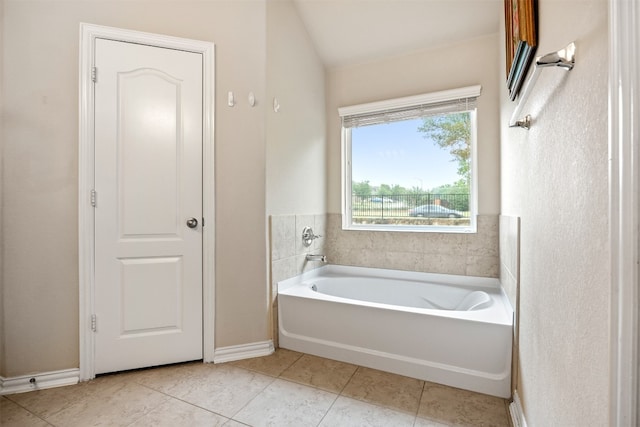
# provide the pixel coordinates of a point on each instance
(413, 107)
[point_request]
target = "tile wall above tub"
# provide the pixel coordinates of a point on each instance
(288, 253)
(510, 279)
(450, 253)
(287, 250)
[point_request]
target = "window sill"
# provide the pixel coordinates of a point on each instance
(471, 229)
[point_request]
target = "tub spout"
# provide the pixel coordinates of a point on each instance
(321, 258)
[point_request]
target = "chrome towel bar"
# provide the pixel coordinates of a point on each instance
(563, 58)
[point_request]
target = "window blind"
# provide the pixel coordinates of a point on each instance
(453, 101)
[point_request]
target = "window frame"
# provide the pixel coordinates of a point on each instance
(402, 103)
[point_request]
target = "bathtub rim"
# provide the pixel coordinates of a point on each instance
(292, 287)
(441, 278)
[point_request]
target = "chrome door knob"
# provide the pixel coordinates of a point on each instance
(192, 223)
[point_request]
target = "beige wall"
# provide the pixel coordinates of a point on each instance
(470, 63)
(296, 145)
(554, 177)
(40, 179)
(296, 134)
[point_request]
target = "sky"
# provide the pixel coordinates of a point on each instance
(396, 153)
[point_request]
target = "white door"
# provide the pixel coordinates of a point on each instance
(148, 182)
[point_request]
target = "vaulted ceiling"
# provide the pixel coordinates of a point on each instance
(355, 31)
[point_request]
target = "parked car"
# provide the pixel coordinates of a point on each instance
(434, 211)
(382, 200)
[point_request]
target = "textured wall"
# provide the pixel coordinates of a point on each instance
(554, 177)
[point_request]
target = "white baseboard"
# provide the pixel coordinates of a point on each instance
(39, 381)
(243, 351)
(515, 410)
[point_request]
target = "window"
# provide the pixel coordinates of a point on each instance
(408, 163)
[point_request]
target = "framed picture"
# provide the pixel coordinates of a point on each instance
(521, 41)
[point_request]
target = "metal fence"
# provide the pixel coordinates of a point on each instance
(400, 205)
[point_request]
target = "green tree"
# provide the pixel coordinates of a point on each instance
(398, 190)
(458, 187)
(452, 132)
(361, 189)
(385, 190)
(458, 193)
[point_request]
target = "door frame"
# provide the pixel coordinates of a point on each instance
(86, 166)
(624, 200)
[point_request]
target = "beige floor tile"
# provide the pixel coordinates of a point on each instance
(113, 404)
(208, 394)
(382, 388)
(326, 374)
(48, 402)
(421, 422)
(284, 404)
(12, 415)
(171, 379)
(223, 389)
(273, 364)
(174, 413)
(347, 412)
(234, 423)
(458, 407)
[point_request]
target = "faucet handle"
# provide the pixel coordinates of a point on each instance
(308, 236)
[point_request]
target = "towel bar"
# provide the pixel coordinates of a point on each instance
(563, 58)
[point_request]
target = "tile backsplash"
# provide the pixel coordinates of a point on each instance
(287, 249)
(450, 253)
(510, 279)
(510, 256)
(288, 253)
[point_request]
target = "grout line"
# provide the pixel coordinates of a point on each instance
(27, 410)
(350, 379)
(424, 384)
(291, 364)
(228, 418)
(328, 409)
(172, 397)
(253, 398)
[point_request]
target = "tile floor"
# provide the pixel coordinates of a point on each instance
(284, 389)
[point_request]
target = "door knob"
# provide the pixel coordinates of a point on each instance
(192, 223)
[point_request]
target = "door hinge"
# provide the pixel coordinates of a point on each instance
(203, 221)
(94, 74)
(94, 323)
(94, 197)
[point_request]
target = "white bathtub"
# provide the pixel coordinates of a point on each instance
(453, 330)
